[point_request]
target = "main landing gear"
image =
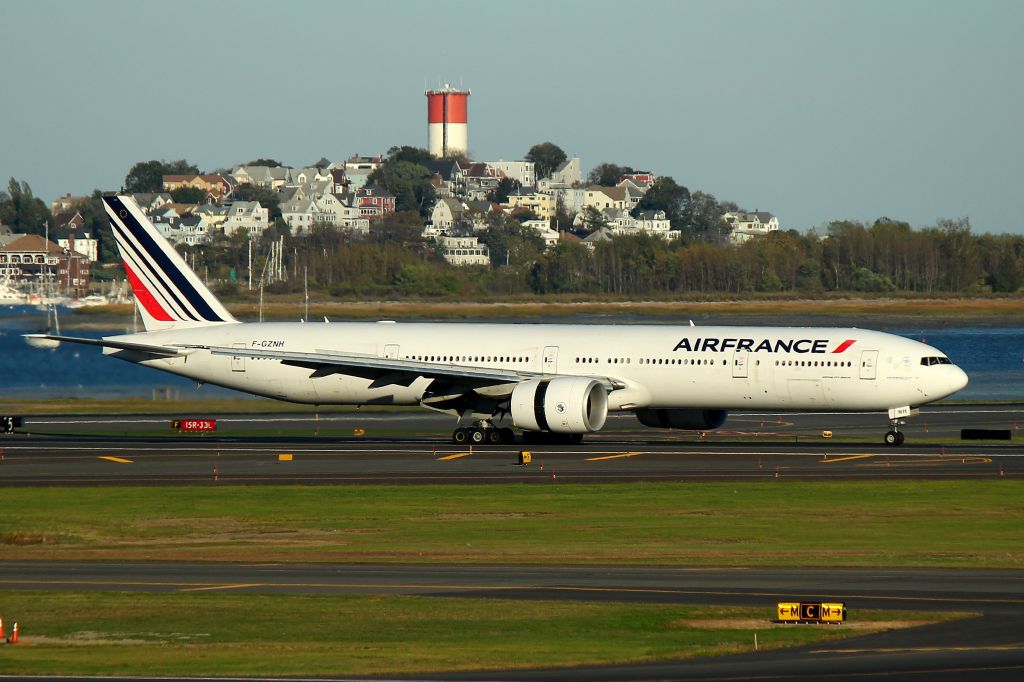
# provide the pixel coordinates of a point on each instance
(482, 434)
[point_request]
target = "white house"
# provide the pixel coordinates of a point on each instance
(746, 225)
(524, 172)
(543, 228)
(247, 216)
(464, 250)
(446, 213)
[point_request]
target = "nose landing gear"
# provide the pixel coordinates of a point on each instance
(894, 437)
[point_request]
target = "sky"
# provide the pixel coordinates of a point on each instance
(812, 110)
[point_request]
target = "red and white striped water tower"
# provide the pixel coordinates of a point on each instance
(447, 130)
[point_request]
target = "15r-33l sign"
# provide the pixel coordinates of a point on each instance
(194, 424)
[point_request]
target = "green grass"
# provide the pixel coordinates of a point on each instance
(884, 523)
(234, 634)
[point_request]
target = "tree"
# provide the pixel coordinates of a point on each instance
(409, 153)
(505, 186)
(512, 244)
(188, 195)
(148, 176)
(607, 174)
(409, 182)
(22, 211)
(668, 196)
(547, 156)
(269, 163)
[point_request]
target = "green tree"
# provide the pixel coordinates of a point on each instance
(668, 196)
(409, 182)
(148, 176)
(512, 244)
(501, 191)
(607, 174)
(188, 195)
(409, 153)
(22, 211)
(547, 156)
(269, 163)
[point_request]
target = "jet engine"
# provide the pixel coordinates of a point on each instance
(697, 420)
(560, 405)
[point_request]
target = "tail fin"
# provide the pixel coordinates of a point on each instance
(167, 293)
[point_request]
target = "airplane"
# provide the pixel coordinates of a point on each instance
(553, 382)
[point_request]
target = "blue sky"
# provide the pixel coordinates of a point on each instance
(812, 110)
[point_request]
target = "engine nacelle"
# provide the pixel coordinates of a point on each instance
(560, 405)
(696, 420)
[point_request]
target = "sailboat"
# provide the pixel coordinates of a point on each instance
(47, 303)
(9, 295)
(52, 327)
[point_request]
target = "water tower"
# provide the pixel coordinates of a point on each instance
(447, 132)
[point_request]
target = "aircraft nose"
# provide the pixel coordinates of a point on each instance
(958, 379)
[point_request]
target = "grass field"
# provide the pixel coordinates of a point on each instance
(886, 524)
(233, 634)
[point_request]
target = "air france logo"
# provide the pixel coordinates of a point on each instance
(716, 345)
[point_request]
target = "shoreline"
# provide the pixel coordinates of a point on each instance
(877, 314)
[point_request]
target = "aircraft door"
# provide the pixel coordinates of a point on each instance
(550, 360)
(739, 364)
(869, 364)
(238, 361)
(391, 351)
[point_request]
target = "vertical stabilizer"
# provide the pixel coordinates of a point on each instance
(168, 294)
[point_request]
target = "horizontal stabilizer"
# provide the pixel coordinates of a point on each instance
(118, 345)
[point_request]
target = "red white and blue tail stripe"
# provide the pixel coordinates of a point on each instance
(167, 293)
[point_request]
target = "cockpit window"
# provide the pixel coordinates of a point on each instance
(936, 361)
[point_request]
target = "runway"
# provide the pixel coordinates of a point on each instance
(986, 646)
(413, 448)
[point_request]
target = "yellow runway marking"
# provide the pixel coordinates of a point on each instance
(844, 459)
(625, 454)
(119, 460)
(932, 461)
(221, 587)
(455, 456)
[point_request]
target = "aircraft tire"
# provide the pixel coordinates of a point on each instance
(494, 437)
(892, 438)
(477, 436)
(459, 436)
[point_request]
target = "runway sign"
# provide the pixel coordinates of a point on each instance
(194, 424)
(811, 612)
(8, 424)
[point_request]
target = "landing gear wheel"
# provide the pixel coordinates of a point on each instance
(893, 438)
(899, 438)
(494, 437)
(477, 436)
(459, 436)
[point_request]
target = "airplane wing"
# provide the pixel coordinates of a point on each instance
(119, 345)
(494, 382)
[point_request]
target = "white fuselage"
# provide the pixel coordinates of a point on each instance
(723, 368)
